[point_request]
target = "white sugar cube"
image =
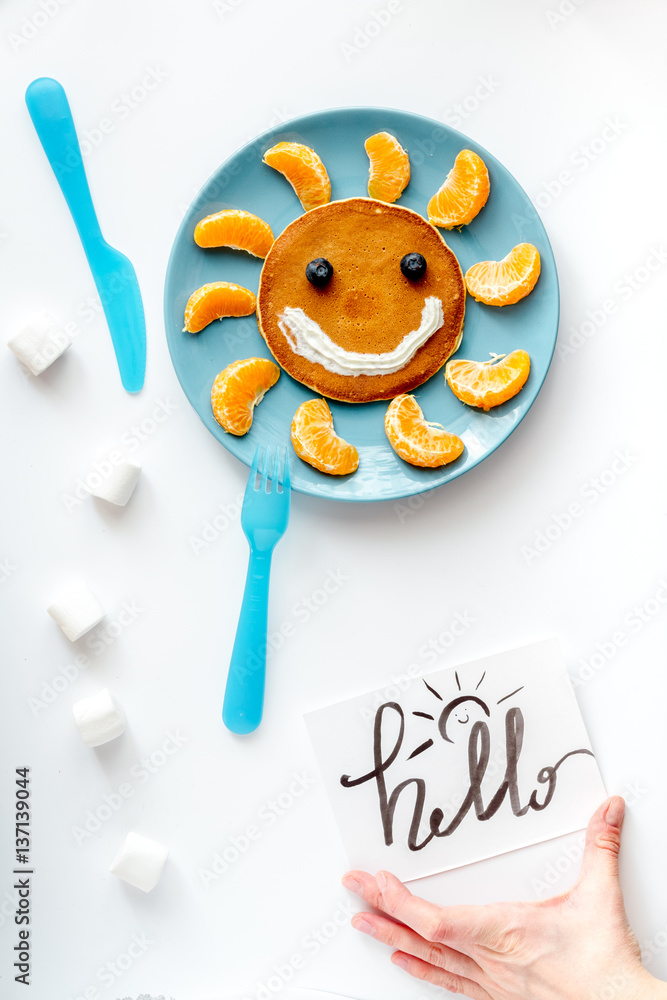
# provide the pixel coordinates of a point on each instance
(116, 487)
(98, 718)
(140, 861)
(76, 611)
(39, 343)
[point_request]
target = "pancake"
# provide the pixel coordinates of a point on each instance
(369, 306)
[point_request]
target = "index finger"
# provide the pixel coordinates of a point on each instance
(441, 924)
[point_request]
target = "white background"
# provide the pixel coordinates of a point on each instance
(538, 89)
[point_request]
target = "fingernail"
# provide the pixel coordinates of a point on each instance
(363, 925)
(401, 962)
(615, 811)
(381, 880)
(352, 884)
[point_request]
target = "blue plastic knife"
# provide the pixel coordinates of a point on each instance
(115, 278)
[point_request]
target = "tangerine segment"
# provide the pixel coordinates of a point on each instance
(463, 194)
(504, 282)
(414, 439)
(238, 389)
(488, 383)
(214, 301)
(304, 170)
(389, 169)
(316, 442)
(236, 229)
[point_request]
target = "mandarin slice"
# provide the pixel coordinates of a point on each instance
(316, 442)
(237, 229)
(238, 389)
(389, 167)
(463, 194)
(304, 170)
(488, 383)
(504, 282)
(216, 300)
(414, 439)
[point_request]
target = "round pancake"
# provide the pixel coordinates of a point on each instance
(368, 306)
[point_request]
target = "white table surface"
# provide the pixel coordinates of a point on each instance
(536, 83)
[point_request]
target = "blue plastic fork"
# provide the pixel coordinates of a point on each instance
(264, 518)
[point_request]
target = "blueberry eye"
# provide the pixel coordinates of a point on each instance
(413, 266)
(319, 272)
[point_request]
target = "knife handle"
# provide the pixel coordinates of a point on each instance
(52, 118)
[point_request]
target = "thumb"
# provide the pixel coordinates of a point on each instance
(603, 844)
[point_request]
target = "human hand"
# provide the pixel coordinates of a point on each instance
(575, 946)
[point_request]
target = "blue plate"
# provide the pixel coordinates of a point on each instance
(338, 136)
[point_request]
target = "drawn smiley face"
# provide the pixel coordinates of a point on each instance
(461, 713)
(348, 336)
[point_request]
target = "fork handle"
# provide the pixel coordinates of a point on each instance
(52, 118)
(244, 694)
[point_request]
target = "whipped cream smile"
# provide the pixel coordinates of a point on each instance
(308, 339)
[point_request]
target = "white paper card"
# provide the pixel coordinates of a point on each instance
(464, 764)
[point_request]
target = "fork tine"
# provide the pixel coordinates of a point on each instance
(265, 467)
(284, 478)
(276, 478)
(252, 478)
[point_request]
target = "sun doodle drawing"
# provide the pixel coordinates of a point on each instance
(362, 300)
(464, 709)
